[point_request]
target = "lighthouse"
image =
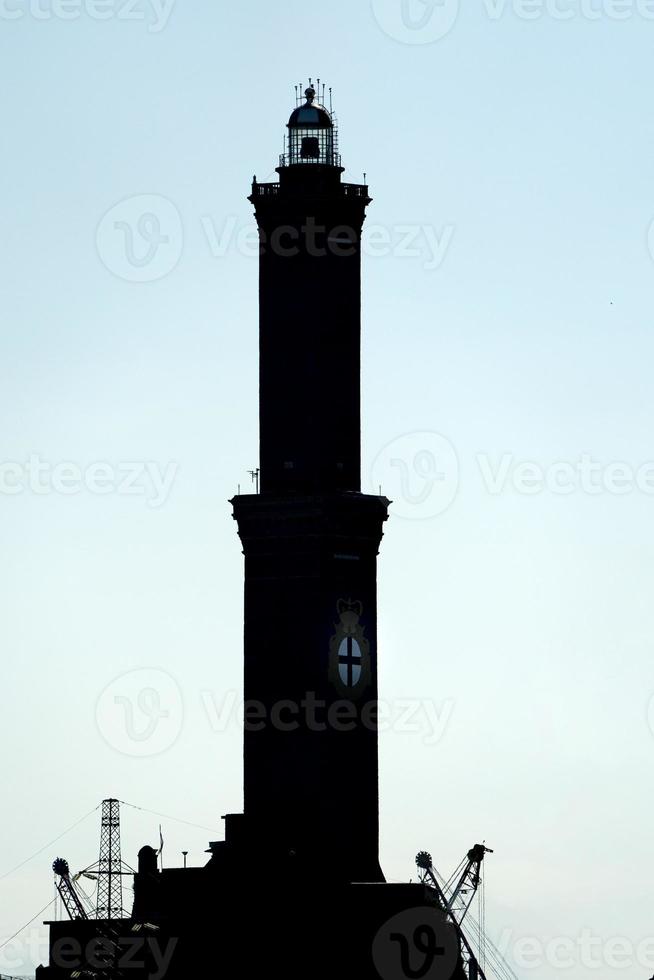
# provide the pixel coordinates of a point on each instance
(310, 536)
(295, 888)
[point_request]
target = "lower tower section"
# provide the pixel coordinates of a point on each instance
(310, 678)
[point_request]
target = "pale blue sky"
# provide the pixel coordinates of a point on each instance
(525, 148)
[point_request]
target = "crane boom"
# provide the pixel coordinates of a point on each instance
(66, 889)
(459, 901)
(467, 885)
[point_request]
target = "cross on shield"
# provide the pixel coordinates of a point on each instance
(349, 661)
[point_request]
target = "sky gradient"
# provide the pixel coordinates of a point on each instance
(508, 301)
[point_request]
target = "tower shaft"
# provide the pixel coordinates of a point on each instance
(311, 538)
(310, 330)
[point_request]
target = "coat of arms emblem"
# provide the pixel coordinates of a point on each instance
(349, 651)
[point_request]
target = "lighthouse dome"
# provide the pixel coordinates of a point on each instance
(312, 135)
(311, 115)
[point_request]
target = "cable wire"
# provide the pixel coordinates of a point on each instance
(50, 844)
(498, 965)
(23, 928)
(166, 816)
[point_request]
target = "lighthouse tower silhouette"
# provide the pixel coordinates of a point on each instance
(295, 889)
(310, 537)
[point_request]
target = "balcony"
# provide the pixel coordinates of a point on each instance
(274, 190)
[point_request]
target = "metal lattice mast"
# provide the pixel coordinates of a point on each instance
(110, 881)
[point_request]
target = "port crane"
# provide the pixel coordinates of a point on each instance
(108, 951)
(455, 898)
(67, 891)
(458, 903)
(107, 873)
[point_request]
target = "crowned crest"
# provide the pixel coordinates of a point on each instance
(349, 651)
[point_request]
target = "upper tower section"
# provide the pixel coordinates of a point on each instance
(312, 135)
(311, 161)
(310, 224)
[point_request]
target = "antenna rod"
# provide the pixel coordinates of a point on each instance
(255, 474)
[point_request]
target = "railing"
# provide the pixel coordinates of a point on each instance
(331, 159)
(273, 190)
(261, 190)
(355, 190)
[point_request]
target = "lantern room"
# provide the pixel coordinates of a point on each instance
(312, 134)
